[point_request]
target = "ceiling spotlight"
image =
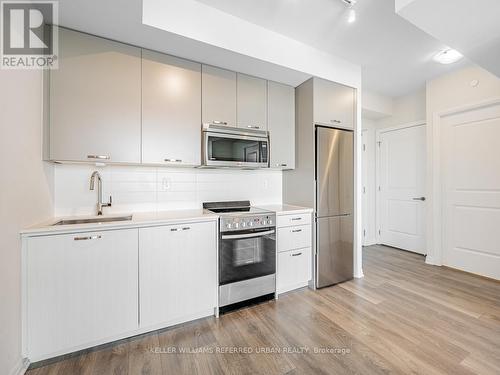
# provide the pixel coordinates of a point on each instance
(352, 16)
(448, 56)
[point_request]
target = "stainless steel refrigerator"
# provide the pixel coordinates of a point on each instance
(334, 175)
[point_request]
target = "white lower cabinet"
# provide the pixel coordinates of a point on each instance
(81, 290)
(294, 243)
(178, 273)
(294, 269)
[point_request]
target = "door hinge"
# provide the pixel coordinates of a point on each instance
(364, 147)
(379, 233)
(364, 232)
(364, 190)
(379, 188)
(379, 143)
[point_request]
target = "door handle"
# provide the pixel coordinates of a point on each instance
(87, 238)
(419, 199)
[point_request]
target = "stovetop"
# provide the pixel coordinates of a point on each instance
(234, 208)
(240, 216)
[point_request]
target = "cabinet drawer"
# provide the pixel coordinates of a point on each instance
(290, 238)
(294, 269)
(292, 220)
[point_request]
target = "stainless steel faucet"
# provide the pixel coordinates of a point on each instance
(100, 204)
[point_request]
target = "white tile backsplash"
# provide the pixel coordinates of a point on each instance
(136, 189)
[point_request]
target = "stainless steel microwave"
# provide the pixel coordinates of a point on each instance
(225, 146)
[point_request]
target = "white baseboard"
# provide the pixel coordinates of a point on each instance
(430, 260)
(20, 367)
(359, 274)
(370, 242)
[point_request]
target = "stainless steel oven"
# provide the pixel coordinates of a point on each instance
(247, 253)
(233, 147)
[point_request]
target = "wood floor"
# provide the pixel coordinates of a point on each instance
(403, 317)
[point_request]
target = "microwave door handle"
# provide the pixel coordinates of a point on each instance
(249, 235)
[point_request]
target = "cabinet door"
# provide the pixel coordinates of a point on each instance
(281, 125)
(251, 102)
(81, 290)
(334, 104)
(178, 273)
(95, 100)
(294, 269)
(218, 96)
(171, 105)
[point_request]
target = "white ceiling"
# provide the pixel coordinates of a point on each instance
(471, 26)
(396, 57)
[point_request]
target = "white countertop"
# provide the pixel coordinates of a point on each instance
(139, 219)
(144, 219)
(286, 209)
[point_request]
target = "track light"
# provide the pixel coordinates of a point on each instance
(351, 18)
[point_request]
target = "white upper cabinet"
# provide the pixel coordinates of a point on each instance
(218, 96)
(171, 110)
(95, 100)
(334, 104)
(251, 102)
(281, 117)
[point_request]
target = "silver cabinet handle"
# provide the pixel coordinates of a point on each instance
(100, 157)
(186, 228)
(282, 165)
(296, 230)
(419, 199)
(217, 122)
(87, 238)
(253, 127)
(296, 218)
(296, 254)
(250, 235)
(174, 160)
(336, 121)
(174, 229)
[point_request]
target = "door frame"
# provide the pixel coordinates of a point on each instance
(434, 181)
(378, 135)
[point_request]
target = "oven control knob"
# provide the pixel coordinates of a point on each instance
(270, 222)
(250, 223)
(228, 225)
(243, 224)
(236, 225)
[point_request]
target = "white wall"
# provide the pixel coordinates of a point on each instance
(25, 196)
(406, 109)
(449, 92)
(369, 182)
(154, 189)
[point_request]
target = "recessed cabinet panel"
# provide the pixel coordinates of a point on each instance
(251, 102)
(218, 96)
(95, 100)
(281, 125)
(171, 104)
(81, 290)
(334, 104)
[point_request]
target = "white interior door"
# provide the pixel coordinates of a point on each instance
(471, 191)
(402, 188)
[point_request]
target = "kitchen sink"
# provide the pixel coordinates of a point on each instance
(92, 220)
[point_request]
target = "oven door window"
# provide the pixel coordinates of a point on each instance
(237, 150)
(246, 258)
